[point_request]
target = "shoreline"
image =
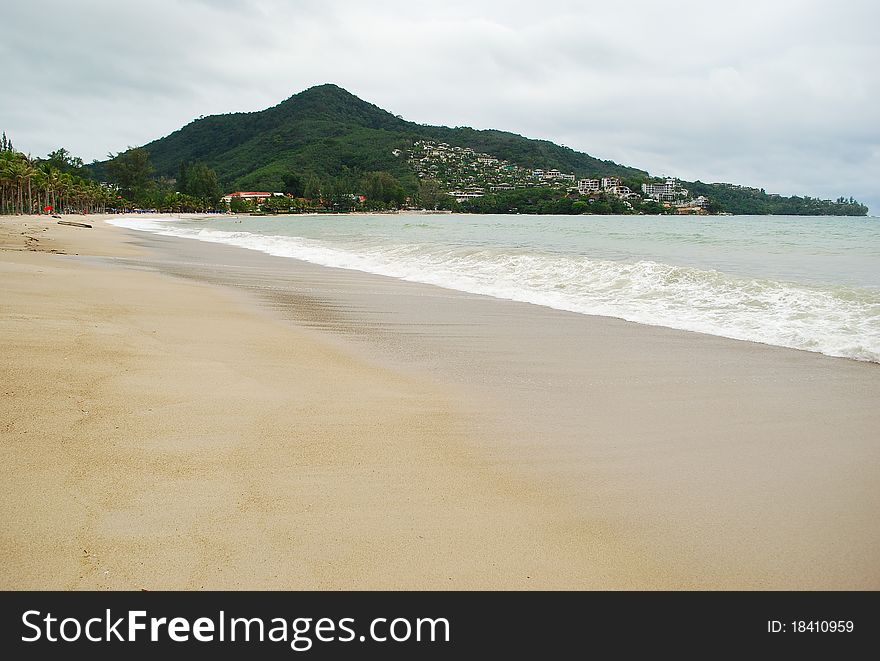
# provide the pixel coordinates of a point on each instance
(841, 342)
(546, 442)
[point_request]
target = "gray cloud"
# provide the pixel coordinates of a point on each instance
(781, 95)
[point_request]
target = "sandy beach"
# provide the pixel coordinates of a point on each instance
(181, 415)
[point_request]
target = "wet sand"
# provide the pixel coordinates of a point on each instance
(195, 415)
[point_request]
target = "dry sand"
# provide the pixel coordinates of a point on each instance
(160, 429)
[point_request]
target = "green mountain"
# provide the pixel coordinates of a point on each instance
(329, 133)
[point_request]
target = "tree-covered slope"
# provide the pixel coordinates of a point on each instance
(326, 131)
(752, 201)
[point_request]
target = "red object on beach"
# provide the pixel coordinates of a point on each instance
(47, 208)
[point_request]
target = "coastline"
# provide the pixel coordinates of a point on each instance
(817, 293)
(253, 421)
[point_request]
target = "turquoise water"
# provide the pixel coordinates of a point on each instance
(809, 283)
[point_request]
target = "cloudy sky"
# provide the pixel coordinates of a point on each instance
(779, 94)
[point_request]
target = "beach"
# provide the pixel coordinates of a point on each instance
(184, 415)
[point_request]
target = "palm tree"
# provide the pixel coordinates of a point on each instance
(29, 172)
(18, 171)
(41, 188)
(6, 179)
(53, 185)
(65, 185)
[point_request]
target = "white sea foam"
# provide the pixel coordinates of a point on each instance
(837, 321)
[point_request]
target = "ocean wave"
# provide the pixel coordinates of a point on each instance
(833, 320)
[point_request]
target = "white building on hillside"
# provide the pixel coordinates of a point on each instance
(668, 191)
(259, 196)
(610, 182)
(462, 195)
(586, 186)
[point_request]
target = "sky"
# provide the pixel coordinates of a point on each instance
(778, 94)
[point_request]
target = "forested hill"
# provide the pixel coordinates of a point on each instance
(327, 131)
(753, 201)
(328, 135)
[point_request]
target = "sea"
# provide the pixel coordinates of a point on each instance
(809, 283)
